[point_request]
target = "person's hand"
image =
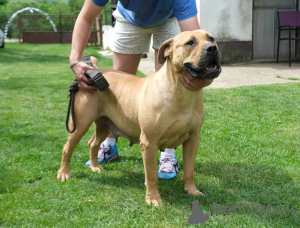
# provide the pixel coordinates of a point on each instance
(79, 70)
(192, 83)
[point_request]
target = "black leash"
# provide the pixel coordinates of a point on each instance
(95, 76)
(72, 89)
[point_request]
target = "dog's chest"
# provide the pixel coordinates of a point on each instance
(175, 131)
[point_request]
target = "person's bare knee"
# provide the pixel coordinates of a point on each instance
(126, 62)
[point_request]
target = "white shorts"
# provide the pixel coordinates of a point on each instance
(130, 39)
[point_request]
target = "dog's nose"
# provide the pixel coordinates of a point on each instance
(211, 49)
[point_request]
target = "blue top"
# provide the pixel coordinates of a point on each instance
(153, 13)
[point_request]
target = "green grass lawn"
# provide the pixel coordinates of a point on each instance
(249, 154)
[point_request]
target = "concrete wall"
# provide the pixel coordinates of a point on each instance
(230, 22)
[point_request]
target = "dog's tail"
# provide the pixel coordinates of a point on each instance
(95, 76)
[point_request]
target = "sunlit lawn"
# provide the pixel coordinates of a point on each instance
(249, 154)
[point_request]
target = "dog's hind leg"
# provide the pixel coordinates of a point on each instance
(190, 148)
(74, 138)
(99, 136)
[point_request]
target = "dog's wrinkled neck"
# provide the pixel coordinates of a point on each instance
(171, 88)
(175, 74)
(197, 84)
(168, 74)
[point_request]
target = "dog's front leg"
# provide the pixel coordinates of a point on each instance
(190, 148)
(149, 153)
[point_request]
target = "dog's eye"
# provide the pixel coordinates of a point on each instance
(190, 43)
(211, 39)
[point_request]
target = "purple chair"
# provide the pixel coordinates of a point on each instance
(290, 21)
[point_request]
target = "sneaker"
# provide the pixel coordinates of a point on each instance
(168, 167)
(106, 155)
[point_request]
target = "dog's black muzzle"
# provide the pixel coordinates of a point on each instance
(209, 65)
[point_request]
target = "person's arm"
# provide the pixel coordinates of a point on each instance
(189, 24)
(80, 37)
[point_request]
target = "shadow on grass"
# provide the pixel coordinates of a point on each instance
(19, 55)
(237, 182)
(240, 181)
(231, 184)
(8, 181)
(27, 82)
(227, 184)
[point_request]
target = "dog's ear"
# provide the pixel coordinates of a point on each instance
(164, 50)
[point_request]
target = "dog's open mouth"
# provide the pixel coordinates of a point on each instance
(210, 72)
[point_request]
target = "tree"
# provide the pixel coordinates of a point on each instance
(59, 7)
(53, 7)
(75, 6)
(3, 2)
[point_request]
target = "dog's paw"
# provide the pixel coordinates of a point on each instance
(193, 191)
(97, 168)
(63, 175)
(154, 202)
(197, 193)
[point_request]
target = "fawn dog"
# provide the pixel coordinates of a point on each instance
(156, 111)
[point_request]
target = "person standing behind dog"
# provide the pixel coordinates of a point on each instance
(136, 22)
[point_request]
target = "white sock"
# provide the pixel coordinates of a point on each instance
(168, 152)
(109, 142)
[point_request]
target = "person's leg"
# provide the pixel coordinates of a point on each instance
(168, 163)
(162, 33)
(126, 62)
(128, 45)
